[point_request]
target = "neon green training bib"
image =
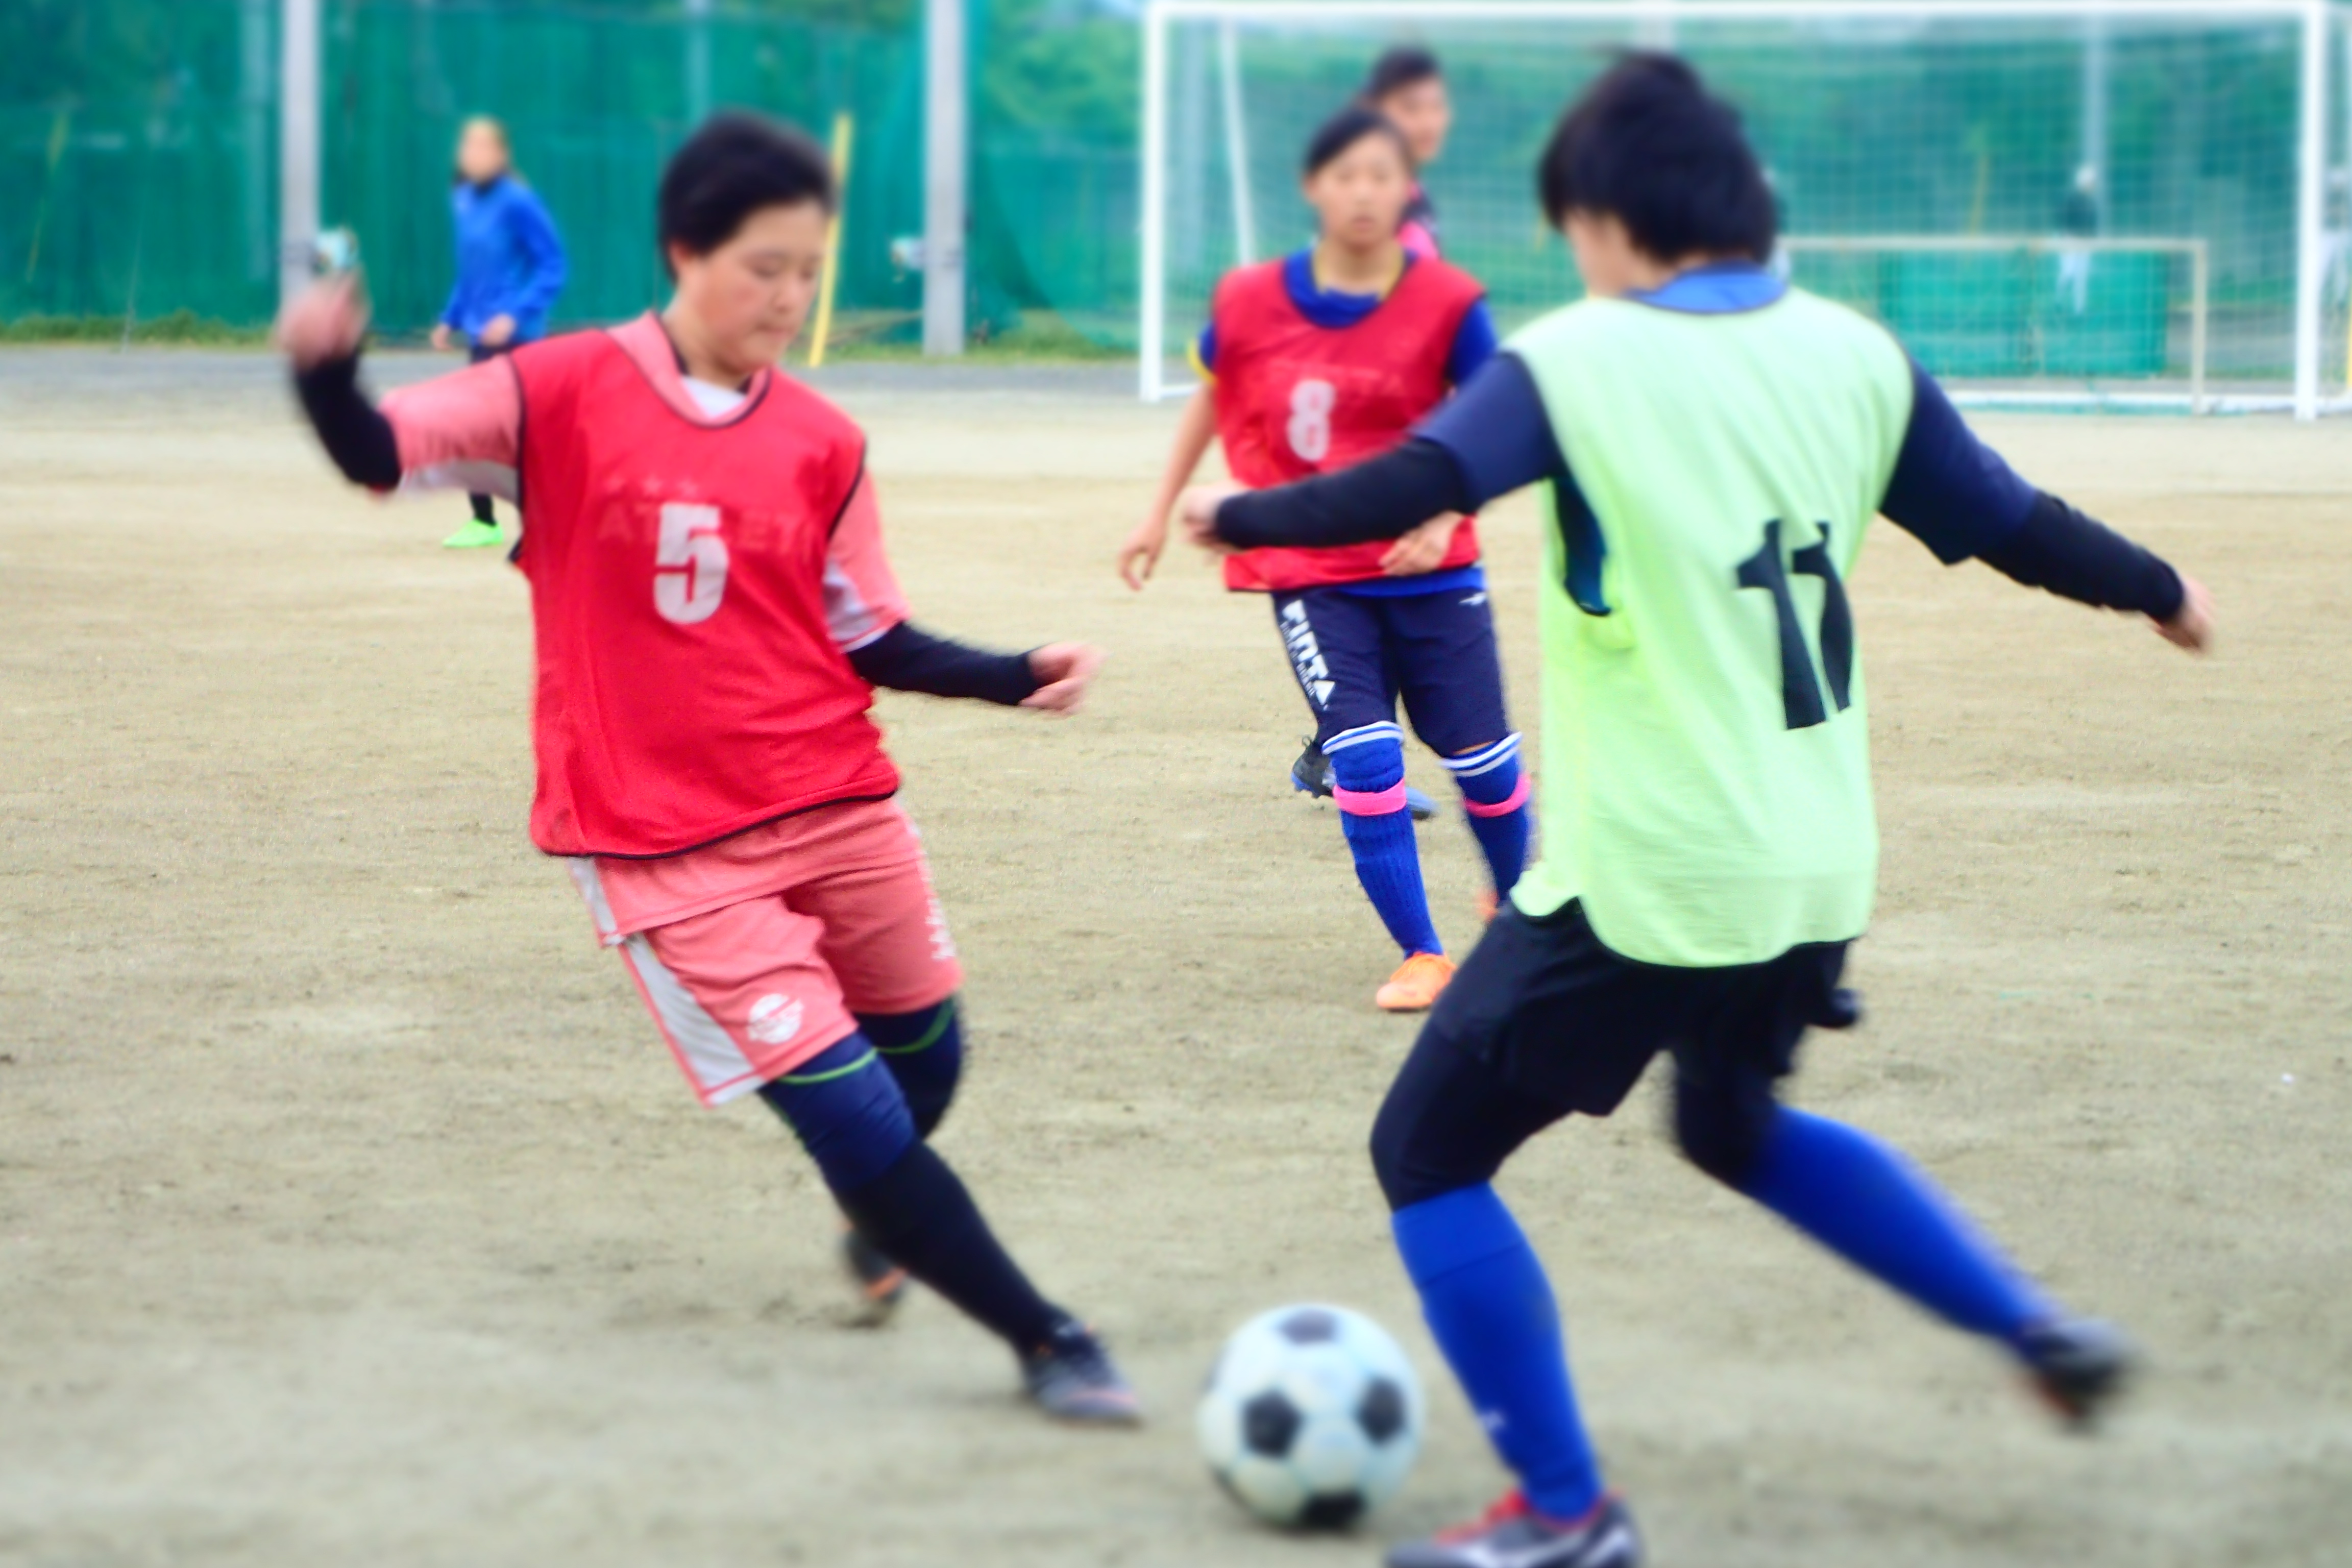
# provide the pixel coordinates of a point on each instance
(1705, 745)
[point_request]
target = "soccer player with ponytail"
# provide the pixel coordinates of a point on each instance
(712, 610)
(1314, 362)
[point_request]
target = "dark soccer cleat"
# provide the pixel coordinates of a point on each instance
(2079, 1366)
(1311, 775)
(1511, 1534)
(1842, 1011)
(1072, 1378)
(881, 1284)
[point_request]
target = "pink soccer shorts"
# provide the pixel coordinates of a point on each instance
(753, 954)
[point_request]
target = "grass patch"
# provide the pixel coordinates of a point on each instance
(178, 326)
(1040, 337)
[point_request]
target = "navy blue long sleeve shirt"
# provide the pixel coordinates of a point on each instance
(1949, 489)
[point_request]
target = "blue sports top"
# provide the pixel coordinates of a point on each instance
(510, 261)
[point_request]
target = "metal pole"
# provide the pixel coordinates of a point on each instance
(298, 146)
(697, 62)
(253, 93)
(2097, 70)
(946, 144)
(1151, 330)
(2199, 287)
(1188, 178)
(1237, 159)
(2311, 261)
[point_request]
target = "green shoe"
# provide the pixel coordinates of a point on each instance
(475, 535)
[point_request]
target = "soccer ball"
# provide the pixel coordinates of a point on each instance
(1311, 1417)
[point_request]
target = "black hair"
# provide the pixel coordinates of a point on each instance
(1407, 65)
(1343, 131)
(731, 168)
(1649, 145)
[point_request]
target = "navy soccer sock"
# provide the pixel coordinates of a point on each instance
(1880, 1213)
(850, 1114)
(1367, 785)
(1491, 1310)
(846, 1111)
(924, 1051)
(921, 1216)
(1494, 795)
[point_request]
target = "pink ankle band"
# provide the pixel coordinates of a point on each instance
(1369, 802)
(1518, 798)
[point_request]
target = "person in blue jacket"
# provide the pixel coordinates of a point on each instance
(509, 269)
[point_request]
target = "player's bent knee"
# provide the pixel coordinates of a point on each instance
(1368, 770)
(848, 1113)
(1722, 1132)
(924, 1051)
(1413, 1166)
(1391, 1161)
(1490, 778)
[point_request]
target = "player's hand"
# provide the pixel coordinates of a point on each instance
(1199, 511)
(1141, 551)
(1423, 549)
(2192, 626)
(1066, 668)
(497, 330)
(440, 337)
(324, 323)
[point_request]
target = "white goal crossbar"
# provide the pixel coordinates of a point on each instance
(2311, 175)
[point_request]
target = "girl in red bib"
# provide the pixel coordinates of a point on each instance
(1312, 362)
(712, 610)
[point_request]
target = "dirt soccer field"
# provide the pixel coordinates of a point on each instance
(351, 1213)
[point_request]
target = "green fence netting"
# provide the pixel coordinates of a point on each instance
(594, 103)
(138, 156)
(139, 143)
(138, 159)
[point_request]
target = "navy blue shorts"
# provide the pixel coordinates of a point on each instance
(1543, 1021)
(1356, 654)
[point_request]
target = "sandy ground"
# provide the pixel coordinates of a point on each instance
(350, 1212)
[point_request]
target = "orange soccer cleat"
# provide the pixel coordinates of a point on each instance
(1416, 985)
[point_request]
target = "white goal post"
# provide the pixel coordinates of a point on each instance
(2309, 267)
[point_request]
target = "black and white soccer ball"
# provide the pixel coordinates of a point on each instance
(1311, 1417)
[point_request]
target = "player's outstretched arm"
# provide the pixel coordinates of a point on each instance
(1052, 678)
(867, 613)
(1140, 553)
(1490, 439)
(1961, 499)
(1385, 497)
(320, 331)
(460, 430)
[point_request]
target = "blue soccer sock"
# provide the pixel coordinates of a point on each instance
(1494, 795)
(1367, 785)
(1880, 1213)
(1490, 1309)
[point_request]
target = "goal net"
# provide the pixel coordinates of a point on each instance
(2069, 202)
